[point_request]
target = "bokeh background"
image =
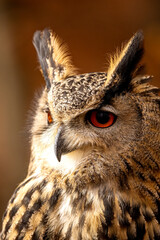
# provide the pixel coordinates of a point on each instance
(91, 28)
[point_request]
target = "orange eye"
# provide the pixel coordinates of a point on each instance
(50, 119)
(101, 119)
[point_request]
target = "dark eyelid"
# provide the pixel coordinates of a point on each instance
(45, 109)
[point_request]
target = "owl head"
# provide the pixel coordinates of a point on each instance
(98, 124)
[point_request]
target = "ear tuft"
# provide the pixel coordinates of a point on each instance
(124, 63)
(53, 56)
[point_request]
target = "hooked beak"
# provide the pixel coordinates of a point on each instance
(58, 149)
(59, 146)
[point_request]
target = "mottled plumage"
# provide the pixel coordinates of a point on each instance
(94, 169)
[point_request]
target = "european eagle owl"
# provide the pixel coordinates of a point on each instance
(94, 170)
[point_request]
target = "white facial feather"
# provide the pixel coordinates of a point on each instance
(46, 154)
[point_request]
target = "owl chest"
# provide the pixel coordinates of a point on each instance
(78, 216)
(93, 215)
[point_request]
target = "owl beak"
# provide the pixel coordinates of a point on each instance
(59, 145)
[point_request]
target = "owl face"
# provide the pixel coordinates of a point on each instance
(90, 119)
(65, 142)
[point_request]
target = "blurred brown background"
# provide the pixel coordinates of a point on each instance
(91, 29)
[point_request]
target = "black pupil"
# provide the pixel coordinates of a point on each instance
(102, 117)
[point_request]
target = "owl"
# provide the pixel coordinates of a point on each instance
(94, 169)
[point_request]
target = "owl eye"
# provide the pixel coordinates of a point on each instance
(101, 119)
(50, 119)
